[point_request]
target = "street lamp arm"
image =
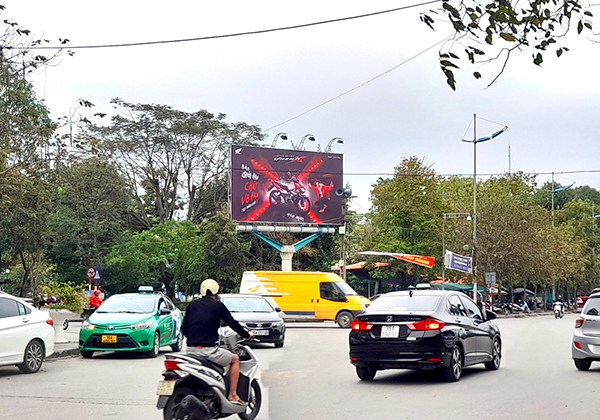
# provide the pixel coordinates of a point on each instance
(483, 139)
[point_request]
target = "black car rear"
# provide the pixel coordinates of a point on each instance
(423, 329)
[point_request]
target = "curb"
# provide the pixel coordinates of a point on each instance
(59, 354)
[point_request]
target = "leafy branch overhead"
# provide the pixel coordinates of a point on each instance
(490, 31)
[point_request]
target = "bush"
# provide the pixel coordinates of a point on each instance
(68, 295)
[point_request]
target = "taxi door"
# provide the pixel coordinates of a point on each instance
(165, 322)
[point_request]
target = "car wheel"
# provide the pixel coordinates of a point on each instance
(86, 354)
(179, 344)
(254, 402)
(33, 357)
(155, 346)
(366, 373)
(66, 324)
(278, 344)
(453, 372)
(344, 319)
(494, 364)
(582, 364)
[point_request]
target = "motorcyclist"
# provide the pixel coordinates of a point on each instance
(200, 327)
(95, 299)
(560, 301)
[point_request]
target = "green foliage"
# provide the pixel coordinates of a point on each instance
(67, 294)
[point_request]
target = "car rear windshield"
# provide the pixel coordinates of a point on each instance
(405, 303)
(592, 306)
(241, 304)
(128, 305)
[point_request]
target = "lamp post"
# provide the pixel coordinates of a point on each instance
(309, 137)
(278, 136)
(449, 216)
(475, 141)
(335, 139)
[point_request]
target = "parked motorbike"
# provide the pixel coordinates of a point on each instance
(282, 194)
(524, 307)
(196, 389)
(558, 308)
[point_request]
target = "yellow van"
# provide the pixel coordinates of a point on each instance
(304, 295)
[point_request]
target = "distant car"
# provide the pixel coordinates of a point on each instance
(255, 313)
(26, 334)
(424, 329)
(580, 301)
(586, 335)
(132, 322)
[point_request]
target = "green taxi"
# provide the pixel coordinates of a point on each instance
(132, 322)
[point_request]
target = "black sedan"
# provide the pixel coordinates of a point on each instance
(255, 313)
(424, 329)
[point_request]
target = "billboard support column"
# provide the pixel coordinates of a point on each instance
(287, 252)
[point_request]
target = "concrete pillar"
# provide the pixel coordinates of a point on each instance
(287, 252)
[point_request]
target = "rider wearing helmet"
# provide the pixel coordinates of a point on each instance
(200, 327)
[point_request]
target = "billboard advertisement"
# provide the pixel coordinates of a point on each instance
(285, 186)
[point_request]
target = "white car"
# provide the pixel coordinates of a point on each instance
(26, 334)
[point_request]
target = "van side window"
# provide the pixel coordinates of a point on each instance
(330, 293)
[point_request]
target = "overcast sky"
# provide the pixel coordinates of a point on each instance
(552, 112)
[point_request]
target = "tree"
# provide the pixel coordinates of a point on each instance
(162, 151)
(90, 204)
(505, 26)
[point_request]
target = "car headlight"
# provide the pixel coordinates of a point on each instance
(278, 324)
(87, 326)
(363, 306)
(141, 325)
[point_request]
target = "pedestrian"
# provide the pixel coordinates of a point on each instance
(201, 330)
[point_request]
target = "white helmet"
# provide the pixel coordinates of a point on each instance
(209, 284)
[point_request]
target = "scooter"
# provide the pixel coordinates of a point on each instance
(196, 389)
(558, 308)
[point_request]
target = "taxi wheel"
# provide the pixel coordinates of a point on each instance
(178, 344)
(155, 347)
(86, 354)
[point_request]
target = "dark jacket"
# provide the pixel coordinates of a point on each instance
(202, 320)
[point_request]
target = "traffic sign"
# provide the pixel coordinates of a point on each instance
(490, 278)
(458, 262)
(91, 273)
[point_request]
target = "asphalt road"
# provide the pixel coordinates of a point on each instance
(311, 378)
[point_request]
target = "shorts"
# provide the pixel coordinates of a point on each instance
(217, 355)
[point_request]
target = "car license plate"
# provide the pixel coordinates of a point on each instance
(165, 388)
(260, 332)
(390, 331)
(109, 338)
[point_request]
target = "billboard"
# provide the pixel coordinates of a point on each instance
(285, 186)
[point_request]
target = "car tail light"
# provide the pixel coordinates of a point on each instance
(49, 321)
(577, 345)
(426, 324)
(359, 325)
(434, 359)
(171, 364)
(578, 322)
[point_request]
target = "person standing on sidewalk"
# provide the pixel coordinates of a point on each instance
(201, 330)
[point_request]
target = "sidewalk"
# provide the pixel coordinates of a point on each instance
(70, 348)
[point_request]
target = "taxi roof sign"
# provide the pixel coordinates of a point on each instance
(148, 289)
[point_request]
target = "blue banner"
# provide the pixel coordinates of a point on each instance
(458, 262)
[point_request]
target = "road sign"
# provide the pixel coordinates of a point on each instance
(490, 278)
(97, 275)
(91, 273)
(458, 262)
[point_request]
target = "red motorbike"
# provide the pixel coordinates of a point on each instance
(280, 193)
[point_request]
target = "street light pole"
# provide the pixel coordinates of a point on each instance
(475, 141)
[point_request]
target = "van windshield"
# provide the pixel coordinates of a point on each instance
(344, 287)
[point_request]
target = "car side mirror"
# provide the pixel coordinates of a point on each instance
(490, 315)
(277, 309)
(164, 311)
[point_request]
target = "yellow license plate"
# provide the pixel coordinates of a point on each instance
(109, 338)
(165, 388)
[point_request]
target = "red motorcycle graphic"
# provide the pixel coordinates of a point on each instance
(280, 193)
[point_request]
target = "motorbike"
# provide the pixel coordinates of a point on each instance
(196, 389)
(558, 308)
(282, 194)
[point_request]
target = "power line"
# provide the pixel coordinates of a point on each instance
(264, 31)
(583, 171)
(356, 87)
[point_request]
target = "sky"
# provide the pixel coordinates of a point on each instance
(266, 79)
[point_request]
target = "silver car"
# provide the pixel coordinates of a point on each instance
(586, 337)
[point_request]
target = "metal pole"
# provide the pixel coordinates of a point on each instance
(474, 207)
(343, 238)
(443, 249)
